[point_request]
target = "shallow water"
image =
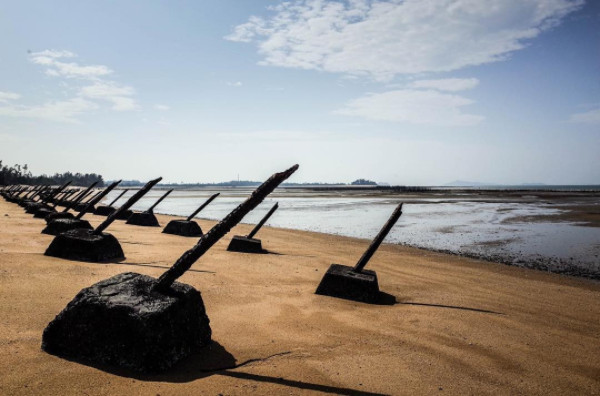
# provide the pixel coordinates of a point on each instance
(465, 226)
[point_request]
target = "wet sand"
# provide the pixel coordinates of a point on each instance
(460, 326)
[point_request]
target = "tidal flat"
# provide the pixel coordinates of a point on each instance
(556, 231)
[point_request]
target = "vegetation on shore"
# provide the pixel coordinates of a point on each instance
(18, 174)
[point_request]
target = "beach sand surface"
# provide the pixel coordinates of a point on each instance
(460, 326)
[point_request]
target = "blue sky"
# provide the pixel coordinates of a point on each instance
(404, 92)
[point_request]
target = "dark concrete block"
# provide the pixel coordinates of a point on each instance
(245, 245)
(183, 228)
(341, 281)
(104, 210)
(123, 322)
(58, 215)
(145, 219)
(83, 245)
(59, 226)
(31, 208)
(81, 206)
(41, 213)
(124, 215)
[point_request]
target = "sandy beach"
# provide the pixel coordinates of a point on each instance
(459, 326)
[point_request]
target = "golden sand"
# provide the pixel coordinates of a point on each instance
(460, 326)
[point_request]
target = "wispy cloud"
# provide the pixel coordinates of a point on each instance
(118, 95)
(589, 117)
(447, 84)
(59, 111)
(162, 107)
(55, 67)
(383, 38)
(86, 83)
(234, 84)
(8, 96)
(424, 107)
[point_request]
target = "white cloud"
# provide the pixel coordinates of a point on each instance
(162, 107)
(426, 107)
(7, 96)
(54, 54)
(447, 84)
(118, 95)
(50, 58)
(589, 117)
(85, 98)
(234, 84)
(59, 111)
(382, 38)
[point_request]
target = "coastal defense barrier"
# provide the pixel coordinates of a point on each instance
(141, 323)
(94, 245)
(188, 227)
(57, 226)
(248, 244)
(147, 217)
(357, 283)
(102, 210)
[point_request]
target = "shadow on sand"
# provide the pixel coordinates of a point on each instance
(452, 307)
(214, 359)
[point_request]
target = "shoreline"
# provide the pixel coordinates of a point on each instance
(459, 324)
(542, 263)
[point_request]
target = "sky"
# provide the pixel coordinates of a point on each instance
(406, 92)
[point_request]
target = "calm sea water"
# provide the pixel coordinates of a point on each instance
(456, 224)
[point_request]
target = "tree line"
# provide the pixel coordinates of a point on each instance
(18, 174)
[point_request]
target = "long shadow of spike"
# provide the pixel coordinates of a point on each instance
(356, 283)
(140, 323)
(94, 245)
(188, 227)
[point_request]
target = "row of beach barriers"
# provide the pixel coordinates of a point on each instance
(141, 323)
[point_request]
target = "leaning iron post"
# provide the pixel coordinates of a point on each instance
(362, 262)
(220, 229)
(356, 283)
(188, 227)
(97, 199)
(83, 203)
(60, 189)
(139, 322)
(263, 220)
(204, 205)
(132, 200)
(104, 210)
(247, 244)
(64, 198)
(65, 214)
(147, 217)
(61, 225)
(94, 245)
(79, 197)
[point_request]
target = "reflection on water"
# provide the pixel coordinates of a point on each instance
(462, 226)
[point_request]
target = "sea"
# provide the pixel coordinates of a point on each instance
(455, 222)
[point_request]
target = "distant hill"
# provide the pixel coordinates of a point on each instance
(363, 182)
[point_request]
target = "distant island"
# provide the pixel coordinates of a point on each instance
(363, 182)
